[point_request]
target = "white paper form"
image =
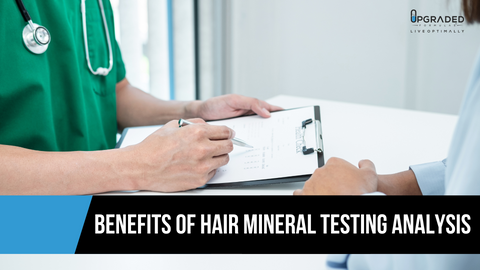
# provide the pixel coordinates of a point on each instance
(277, 143)
(277, 151)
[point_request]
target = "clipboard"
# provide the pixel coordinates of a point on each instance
(304, 122)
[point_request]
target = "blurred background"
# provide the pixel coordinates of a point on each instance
(352, 51)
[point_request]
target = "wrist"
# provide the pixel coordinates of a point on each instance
(128, 169)
(192, 109)
(384, 184)
(402, 183)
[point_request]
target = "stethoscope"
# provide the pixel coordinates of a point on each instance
(37, 38)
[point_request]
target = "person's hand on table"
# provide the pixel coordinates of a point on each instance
(232, 105)
(174, 159)
(339, 177)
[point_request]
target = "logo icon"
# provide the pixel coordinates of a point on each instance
(434, 19)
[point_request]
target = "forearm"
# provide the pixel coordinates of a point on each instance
(402, 183)
(137, 108)
(25, 171)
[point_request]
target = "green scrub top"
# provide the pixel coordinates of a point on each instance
(51, 101)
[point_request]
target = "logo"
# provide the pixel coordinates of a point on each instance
(434, 19)
(436, 24)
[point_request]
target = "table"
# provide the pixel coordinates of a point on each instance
(392, 138)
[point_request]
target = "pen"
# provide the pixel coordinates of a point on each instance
(236, 141)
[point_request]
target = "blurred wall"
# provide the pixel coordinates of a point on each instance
(353, 51)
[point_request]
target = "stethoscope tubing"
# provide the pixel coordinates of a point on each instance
(23, 10)
(101, 70)
(41, 48)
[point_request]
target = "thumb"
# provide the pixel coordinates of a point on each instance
(171, 124)
(197, 120)
(366, 164)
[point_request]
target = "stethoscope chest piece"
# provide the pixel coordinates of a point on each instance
(36, 38)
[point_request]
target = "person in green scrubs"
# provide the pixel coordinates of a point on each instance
(59, 121)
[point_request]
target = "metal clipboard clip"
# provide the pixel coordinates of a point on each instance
(318, 137)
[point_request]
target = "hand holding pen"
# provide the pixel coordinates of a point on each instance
(174, 159)
(236, 141)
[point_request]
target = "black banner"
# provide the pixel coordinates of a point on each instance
(280, 225)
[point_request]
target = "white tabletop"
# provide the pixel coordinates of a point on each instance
(392, 138)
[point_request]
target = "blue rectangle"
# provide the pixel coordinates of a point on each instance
(41, 224)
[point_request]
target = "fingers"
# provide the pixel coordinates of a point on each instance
(211, 174)
(212, 132)
(219, 156)
(274, 108)
(298, 192)
(219, 161)
(262, 108)
(221, 147)
(219, 132)
(270, 107)
(211, 167)
(259, 107)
